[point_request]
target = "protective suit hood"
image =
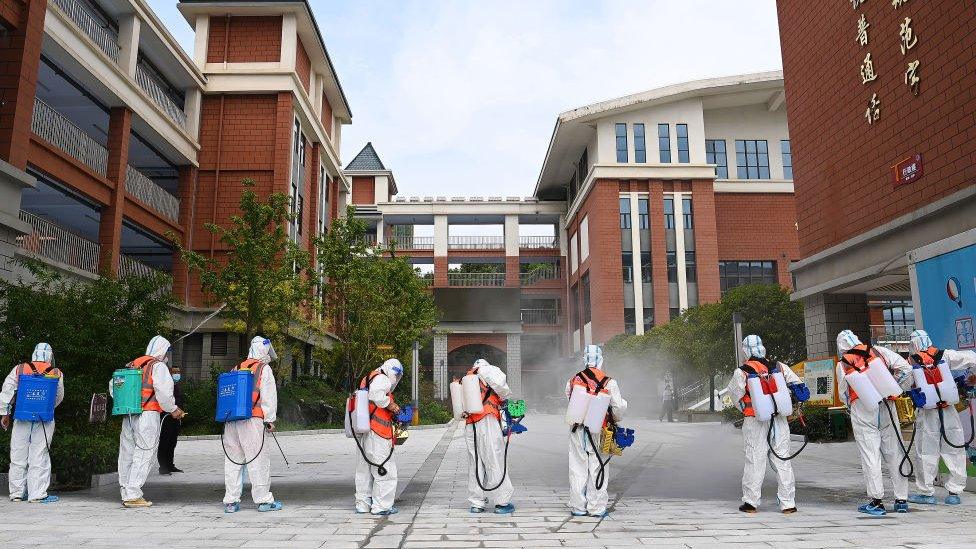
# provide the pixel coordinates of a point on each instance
(752, 346)
(920, 341)
(846, 341)
(262, 350)
(593, 357)
(158, 348)
(42, 353)
(393, 370)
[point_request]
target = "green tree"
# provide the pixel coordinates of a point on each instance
(263, 278)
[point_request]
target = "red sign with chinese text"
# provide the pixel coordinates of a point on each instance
(908, 170)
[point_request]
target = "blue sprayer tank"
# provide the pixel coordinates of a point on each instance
(234, 400)
(35, 398)
(126, 392)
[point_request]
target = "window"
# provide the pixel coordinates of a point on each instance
(898, 314)
(621, 130)
(784, 146)
(645, 258)
(740, 273)
(640, 150)
(683, 155)
(669, 213)
(585, 283)
(627, 266)
(674, 313)
(672, 266)
(218, 344)
(630, 321)
(691, 273)
(715, 154)
(624, 213)
(687, 213)
(583, 165)
(664, 143)
(643, 220)
(584, 232)
(300, 214)
(648, 319)
(752, 159)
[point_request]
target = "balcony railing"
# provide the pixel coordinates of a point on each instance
(49, 241)
(130, 266)
(55, 128)
(103, 36)
(539, 275)
(476, 279)
(891, 333)
(539, 242)
(149, 85)
(411, 242)
(154, 196)
(476, 242)
(540, 317)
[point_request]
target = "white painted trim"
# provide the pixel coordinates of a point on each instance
(289, 40)
(129, 27)
(470, 208)
(679, 245)
(155, 25)
(441, 233)
(584, 232)
(201, 39)
(784, 186)
(635, 260)
(511, 235)
(944, 246)
(236, 68)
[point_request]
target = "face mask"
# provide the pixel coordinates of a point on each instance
(177, 377)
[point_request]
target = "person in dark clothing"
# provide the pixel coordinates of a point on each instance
(169, 432)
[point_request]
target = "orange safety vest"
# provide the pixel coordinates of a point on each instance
(38, 369)
(857, 360)
(594, 381)
(767, 382)
(256, 367)
(146, 364)
(380, 419)
(492, 403)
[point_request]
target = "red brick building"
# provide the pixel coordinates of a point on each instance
(914, 60)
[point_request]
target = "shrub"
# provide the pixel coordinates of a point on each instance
(817, 428)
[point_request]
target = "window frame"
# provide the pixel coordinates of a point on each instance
(664, 143)
(684, 152)
(752, 159)
(640, 145)
(786, 150)
(623, 154)
(712, 157)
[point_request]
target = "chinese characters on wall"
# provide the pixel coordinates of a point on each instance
(907, 40)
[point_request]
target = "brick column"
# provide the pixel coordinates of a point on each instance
(513, 365)
(314, 206)
(440, 272)
(284, 126)
(110, 228)
(512, 275)
(187, 192)
(20, 55)
(706, 240)
(601, 209)
(659, 250)
(440, 366)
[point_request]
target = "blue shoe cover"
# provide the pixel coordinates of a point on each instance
(52, 499)
(477, 509)
(273, 506)
(872, 510)
(921, 499)
(232, 507)
(504, 509)
(576, 513)
(390, 511)
(604, 514)
(953, 499)
(901, 506)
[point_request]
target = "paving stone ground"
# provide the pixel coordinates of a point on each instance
(677, 487)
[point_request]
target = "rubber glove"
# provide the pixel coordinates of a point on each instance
(918, 397)
(800, 392)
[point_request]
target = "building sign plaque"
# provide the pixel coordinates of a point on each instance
(908, 170)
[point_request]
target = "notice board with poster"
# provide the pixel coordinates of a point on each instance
(818, 375)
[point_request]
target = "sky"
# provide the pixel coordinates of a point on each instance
(460, 97)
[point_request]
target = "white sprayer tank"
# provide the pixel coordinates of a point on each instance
(596, 412)
(579, 400)
(881, 378)
(471, 394)
(457, 400)
(866, 393)
(762, 403)
(784, 404)
(360, 413)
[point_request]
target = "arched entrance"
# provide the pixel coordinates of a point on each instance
(459, 360)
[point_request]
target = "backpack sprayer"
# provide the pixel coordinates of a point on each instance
(511, 422)
(589, 410)
(357, 422)
(770, 397)
(36, 395)
(940, 390)
(235, 403)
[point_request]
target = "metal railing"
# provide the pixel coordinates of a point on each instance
(545, 317)
(151, 194)
(49, 241)
(58, 130)
(476, 242)
(102, 35)
(539, 242)
(476, 279)
(538, 275)
(149, 85)
(129, 266)
(891, 333)
(411, 242)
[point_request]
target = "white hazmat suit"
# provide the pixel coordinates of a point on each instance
(30, 463)
(928, 437)
(584, 460)
(874, 433)
(140, 434)
(755, 441)
(244, 440)
(487, 434)
(376, 493)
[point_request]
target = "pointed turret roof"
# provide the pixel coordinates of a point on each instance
(367, 160)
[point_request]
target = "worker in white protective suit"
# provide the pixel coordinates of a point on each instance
(487, 469)
(877, 436)
(376, 484)
(30, 462)
(589, 471)
(245, 440)
(140, 433)
(756, 434)
(929, 425)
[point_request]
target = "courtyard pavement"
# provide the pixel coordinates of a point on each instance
(678, 486)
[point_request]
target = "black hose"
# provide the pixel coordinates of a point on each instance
(972, 430)
(769, 434)
(135, 437)
(44, 430)
(244, 456)
(279, 446)
(477, 461)
(601, 475)
(905, 451)
(379, 466)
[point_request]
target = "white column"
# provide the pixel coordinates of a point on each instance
(380, 226)
(289, 41)
(313, 86)
(440, 366)
(636, 262)
(129, 27)
(201, 37)
(511, 235)
(192, 107)
(679, 239)
(440, 235)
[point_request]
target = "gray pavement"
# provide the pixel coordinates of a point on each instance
(677, 487)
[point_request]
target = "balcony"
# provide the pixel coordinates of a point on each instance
(103, 37)
(162, 99)
(476, 242)
(55, 128)
(51, 242)
(129, 266)
(411, 242)
(151, 194)
(539, 242)
(538, 275)
(897, 337)
(475, 279)
(540, 317)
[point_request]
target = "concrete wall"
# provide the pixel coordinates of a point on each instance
(826, 315)
(688, 111)
(749, 122)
